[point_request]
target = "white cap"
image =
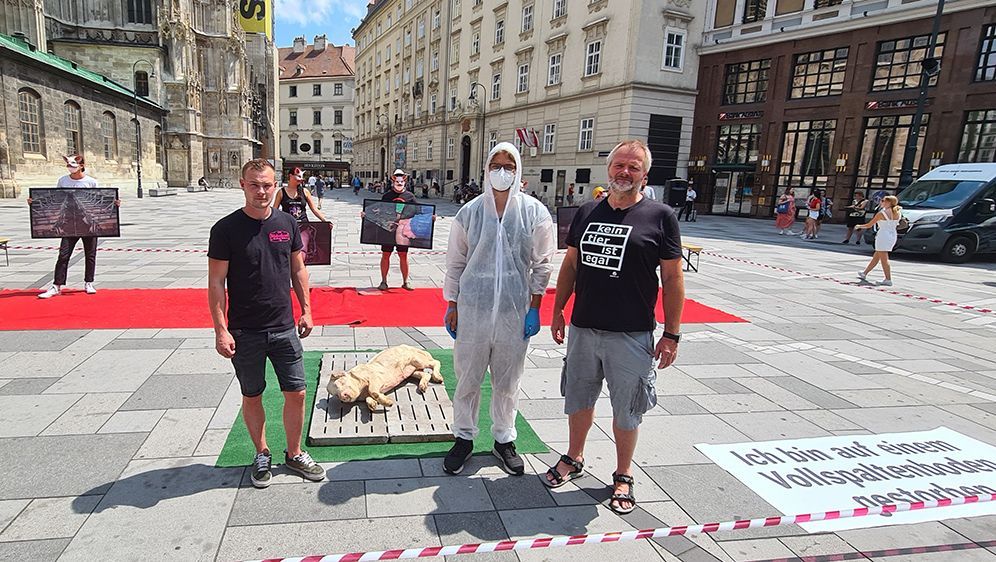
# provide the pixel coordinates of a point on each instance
(399, 172)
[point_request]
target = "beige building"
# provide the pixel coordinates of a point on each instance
(316, 107)
(440, 82)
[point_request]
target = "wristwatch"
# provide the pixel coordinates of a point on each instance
(670, 336)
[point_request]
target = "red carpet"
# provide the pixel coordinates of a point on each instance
(187, 308)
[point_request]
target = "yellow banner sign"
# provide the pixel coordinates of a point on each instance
(256, 16)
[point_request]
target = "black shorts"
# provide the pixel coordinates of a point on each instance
(388, 248)
(284, 351)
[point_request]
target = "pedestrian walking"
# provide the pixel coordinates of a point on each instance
(357, 184)
(76, 178)
(856, 213)
(320, 190)
(887, 220)
(814, 203)
(295, 199)
(785, 211)
(498, 263)
(256, 253)
(826, 211)
(614, 250)
(570, 194)
(689, 207)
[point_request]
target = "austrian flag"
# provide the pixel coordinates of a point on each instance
(527, 136)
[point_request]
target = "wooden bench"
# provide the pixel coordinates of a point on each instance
(3, 246)
(689, 251)
(162, 191)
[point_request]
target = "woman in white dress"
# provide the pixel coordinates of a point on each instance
(887, 220)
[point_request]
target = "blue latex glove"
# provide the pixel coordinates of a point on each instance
(532, 322)
(452, 333)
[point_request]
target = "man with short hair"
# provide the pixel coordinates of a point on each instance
(614, 249)
(257, 252)
(689, 206)
(320, 190)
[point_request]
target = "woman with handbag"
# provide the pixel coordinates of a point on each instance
(888, 220)
(815, 206)
(785, 209)
(855, 215)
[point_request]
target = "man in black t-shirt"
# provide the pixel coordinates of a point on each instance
(614, 249)
(256, 251)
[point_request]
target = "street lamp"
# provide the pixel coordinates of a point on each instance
(138, 127)
(484, 115)
(387, 141)
(929, 67)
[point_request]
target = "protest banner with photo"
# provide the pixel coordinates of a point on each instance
(316, 239)
(388, 223)
(67, 211)
(850, 471)
(565, 216)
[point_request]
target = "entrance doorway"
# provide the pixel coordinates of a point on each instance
(733, 193)
(465, 160)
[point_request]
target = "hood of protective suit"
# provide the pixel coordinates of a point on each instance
(516, 183)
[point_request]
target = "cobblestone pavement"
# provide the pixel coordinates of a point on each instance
(121, 466)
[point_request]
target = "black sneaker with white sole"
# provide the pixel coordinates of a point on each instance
(304, 465)
(260, 475)
(458, 456)
(511, 462)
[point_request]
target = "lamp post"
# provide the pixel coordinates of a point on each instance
(138, 126)
(929, 67)
(484, 115)
(387, 142)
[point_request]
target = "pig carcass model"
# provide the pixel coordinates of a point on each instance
(386, 371)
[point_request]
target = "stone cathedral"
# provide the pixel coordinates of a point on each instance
(215, 82)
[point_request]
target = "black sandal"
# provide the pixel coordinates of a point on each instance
(618, 498)
(558, 480)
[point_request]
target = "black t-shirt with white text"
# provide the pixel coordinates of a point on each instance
(619, 252)
(258, 253)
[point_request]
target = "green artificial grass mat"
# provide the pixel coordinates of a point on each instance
(239, 450)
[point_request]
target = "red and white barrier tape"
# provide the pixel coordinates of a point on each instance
(550, 542)
(203, 251)
(851, 284)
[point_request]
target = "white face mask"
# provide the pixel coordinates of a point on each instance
(501, 179)
(399, 184)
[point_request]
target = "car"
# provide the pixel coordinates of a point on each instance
(951, 212)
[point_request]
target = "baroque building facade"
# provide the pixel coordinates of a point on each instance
(439, 82)
(192, 57)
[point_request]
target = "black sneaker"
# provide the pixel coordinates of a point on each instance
(260, 476)
(511, 462)
(458, 456)
(304, 465)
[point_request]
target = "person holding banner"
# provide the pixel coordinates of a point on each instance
(296, 199)
(498, 264)
(614, 249)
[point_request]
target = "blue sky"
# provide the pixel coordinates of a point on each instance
(334, 18)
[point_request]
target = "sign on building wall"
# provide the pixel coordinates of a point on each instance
(256, 16)
(400, 151)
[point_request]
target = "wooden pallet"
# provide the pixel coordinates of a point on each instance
(414, 418)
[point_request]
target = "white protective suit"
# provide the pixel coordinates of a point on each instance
(493, 267)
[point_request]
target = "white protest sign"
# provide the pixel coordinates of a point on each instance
(849, 471)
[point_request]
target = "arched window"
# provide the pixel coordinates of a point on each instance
(109, 130)
(29, 110)
(142, 83)
(158, 134)
(74, 125)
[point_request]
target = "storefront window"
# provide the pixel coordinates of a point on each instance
(882, 147)
(978, 138)
(807, 157)
(737, 144)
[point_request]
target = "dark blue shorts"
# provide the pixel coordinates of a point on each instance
(284, 351)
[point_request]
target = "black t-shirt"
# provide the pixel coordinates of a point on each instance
(403, 197)
(258, 255)
(619, 253)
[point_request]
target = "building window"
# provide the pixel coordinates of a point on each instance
(817, 4)
(898, 62)
(674, 49)
(434, 61)
(496, 87)
(585, 134)
(806, 153)
(527, 18)
(746, 82)
(549, 134)
(140, 11)
(820, 73)
(559, 8)
(432, 104)
(29, 106)
(337, 89)
(754, 10)
(415, 151)
(338, 147)
(453, 102)
(553, 72)
(74, 124)
(109, 132)
(142, 83)
(428, 151)
(337, 117)
(293, 146)
(986, 69)
(737, 144)
(316, 89)
(593, 58)
(882, 147)
(978, 138)
(522, 79)
(499, 32)
(449, 149)
(317, 146)
(435, 19)
(292, 118)
(475, 43)
(157, 134)
(421, 28)
(292, 91)
(492, 140)
(316, 117)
